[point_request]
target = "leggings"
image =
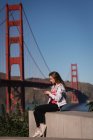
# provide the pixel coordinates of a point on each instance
(39, 112)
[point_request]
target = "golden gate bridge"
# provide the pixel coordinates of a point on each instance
(16, 40)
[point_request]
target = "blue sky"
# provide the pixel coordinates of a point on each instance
(64, 32)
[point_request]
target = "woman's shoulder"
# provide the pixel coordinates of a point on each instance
(60, 85)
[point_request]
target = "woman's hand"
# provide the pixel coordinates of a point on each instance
(47, 92)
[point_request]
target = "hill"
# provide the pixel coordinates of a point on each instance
(35, 95)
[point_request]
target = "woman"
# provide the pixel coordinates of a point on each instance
(55, 102)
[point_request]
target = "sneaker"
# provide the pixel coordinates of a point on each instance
(37, 133)
(43, 128)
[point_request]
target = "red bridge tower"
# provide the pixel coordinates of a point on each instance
(10, 41)
(74, 81)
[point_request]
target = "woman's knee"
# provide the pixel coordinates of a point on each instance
(39, 109)
(36, 110)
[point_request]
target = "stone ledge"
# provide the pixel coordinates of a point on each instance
(67, 124)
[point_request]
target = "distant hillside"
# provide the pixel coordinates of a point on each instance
(85, 88)
(36, 95)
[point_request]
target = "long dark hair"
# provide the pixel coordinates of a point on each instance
(57, 77)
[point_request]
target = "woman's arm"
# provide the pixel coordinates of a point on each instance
(58, 94)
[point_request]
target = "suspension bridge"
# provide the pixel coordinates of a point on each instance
(19, 60)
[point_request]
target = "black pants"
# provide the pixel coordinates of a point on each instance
(39, 112)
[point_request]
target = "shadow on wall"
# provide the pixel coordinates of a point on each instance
(82, 98)
(81, 106)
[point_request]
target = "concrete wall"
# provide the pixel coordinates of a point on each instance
(68, 124)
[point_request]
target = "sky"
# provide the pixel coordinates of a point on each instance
(64, 32)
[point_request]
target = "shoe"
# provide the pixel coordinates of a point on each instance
(37, 133)
(43, 129)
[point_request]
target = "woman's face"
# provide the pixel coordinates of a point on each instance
(52, 80)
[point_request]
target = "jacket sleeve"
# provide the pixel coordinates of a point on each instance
(58, 95)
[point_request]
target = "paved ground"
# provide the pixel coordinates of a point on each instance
(43, 138)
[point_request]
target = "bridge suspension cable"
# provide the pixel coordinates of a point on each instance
(30, 52)
(36, 41)
(2, 39)
(2, 8)
(34, 61)
(3, 22)
(11, 14)
(0, 13)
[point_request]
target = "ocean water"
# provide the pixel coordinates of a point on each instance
(84, 107)
(68, 107)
